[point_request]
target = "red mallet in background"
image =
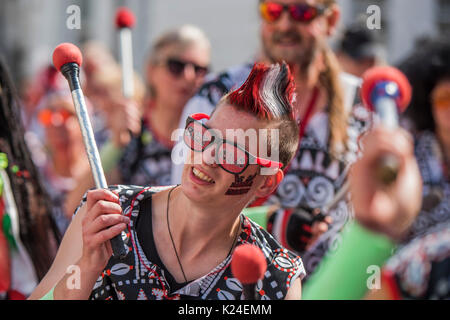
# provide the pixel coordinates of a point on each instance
(125, 21)
(67, 58)
(387, 91)
(248, 265)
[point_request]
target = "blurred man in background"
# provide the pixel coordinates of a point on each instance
(359, 49)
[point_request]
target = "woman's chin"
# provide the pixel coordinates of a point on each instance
(195, 191)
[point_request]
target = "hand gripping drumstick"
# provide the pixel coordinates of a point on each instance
(67, 58)
(125, 20)
(386, 91)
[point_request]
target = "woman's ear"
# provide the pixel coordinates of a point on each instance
(333, 19)
(270, 184)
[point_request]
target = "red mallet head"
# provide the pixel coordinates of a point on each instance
(248, 264)
(375, 75)
(125, 18)
(66, 53)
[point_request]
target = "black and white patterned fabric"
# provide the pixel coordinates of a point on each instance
(138, 277)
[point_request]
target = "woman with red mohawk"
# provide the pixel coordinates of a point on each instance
(181, 238)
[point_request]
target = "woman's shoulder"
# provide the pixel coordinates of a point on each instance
(129, 195)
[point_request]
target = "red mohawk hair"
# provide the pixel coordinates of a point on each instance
(268, 92)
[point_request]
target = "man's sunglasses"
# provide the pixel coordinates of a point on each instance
(177, 66)
(301, 12)
(229, 155)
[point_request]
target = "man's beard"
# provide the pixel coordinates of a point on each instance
(301, 57)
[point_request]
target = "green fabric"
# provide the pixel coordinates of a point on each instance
(7, 231)
(6, 219)
(49, 295)
(110, 155)
(3, 165)
(344, 274)
(3, 160)
(257, 214)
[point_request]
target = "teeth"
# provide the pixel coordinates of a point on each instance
(201, 175)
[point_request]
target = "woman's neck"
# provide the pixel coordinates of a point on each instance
(205, 227)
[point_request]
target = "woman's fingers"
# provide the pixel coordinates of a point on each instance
(104, 201)
(105, 221)
(104, 218)
(102, 237)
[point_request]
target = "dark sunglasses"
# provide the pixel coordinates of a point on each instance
(177, 66)
(229, 155)
(301, 12)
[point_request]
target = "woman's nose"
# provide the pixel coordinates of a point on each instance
(189, 72)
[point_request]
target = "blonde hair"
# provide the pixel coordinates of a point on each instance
(338, 114)
(182, 37)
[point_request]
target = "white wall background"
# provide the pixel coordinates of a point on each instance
(30, 29)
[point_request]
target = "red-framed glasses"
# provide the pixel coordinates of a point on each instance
(229, 155)
(300, 12)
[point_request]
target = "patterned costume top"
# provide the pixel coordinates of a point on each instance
(421, 269)
(436, 185)
(139, 276)
(146, 160)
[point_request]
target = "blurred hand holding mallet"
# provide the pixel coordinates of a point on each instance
(386, 91)
(67, 58)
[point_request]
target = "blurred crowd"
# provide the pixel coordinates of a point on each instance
(134, 137)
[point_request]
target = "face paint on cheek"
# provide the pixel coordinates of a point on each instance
(241, 185)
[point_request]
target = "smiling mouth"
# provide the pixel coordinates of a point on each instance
(200, 175)
(287, 42)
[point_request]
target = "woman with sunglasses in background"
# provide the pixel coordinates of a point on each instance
(176, 67)
(297, 31)
(140, 145)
